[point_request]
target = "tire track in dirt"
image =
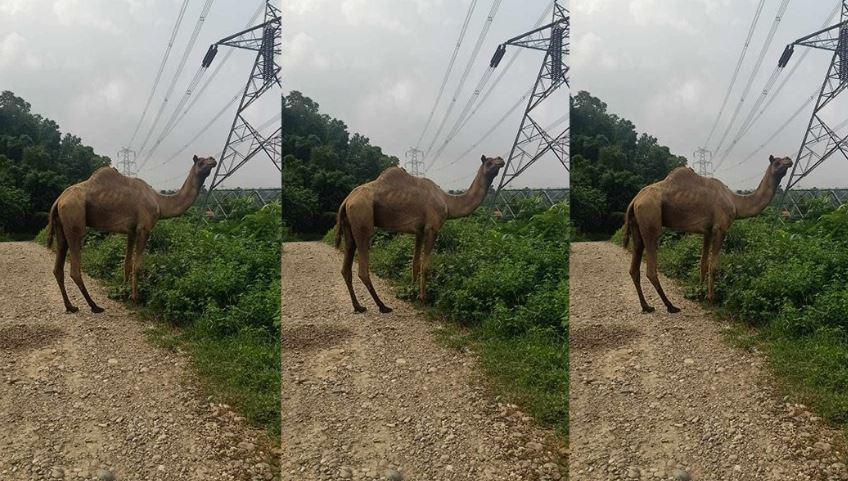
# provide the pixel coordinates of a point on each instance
(367, 393)
(81, 392)
(652, 394)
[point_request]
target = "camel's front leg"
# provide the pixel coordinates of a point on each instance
(140, 244)
(429, 242)
(416, 258)
(705, 255)
(715, 251)
(128, 258)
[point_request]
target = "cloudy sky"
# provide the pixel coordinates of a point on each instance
(666, 65)
(90, 65)
(377, 65)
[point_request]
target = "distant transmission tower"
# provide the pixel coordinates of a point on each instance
(821, 140)
(126, 162)
(414, 165)
(244, 142)
(703, 161)
(532, 141)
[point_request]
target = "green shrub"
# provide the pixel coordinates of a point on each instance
(507, 282)
(790, 281)
(219, 283)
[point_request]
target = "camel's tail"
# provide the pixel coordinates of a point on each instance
(341, 223)
(629, 224)
(54, 224)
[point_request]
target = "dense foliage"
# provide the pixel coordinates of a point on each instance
(219, 284)
(789, 281)
(322, 163)
(37, 162)
(507, 282)
(610, 163)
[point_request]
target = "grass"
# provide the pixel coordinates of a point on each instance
(503, 288)
(786, 288)
(215, 291)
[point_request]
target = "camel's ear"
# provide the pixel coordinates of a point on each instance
(483, 159)
(771, 159)
(196, 158)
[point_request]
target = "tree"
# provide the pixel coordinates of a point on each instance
(610, 163)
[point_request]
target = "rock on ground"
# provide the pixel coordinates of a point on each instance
(374, 396)
(665, 396)
(89, 397)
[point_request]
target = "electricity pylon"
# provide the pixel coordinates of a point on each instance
(126, 162)
(532, 140)
(703, 161)
(414, 165)
(821, 141)
(244, 142)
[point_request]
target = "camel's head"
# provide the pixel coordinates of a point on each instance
(491, 165)
(203, 166)
(779, 165)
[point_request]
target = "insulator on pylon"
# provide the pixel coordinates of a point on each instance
(557, 34)
(268, 37)
(210, 55)
(786, 55)
(496, 58)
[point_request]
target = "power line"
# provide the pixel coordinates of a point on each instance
(176, 29)
(179, 70)
(483, 32)
(738, 67)
(780, 11)
(464, 115)
(448, 71)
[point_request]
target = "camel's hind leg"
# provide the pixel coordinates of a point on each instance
(705, 255)
(74, 234)
(128, 258)
(429, 242)
(635, 266)
(362, 237)
(140, 243)
(416, 258)
(59, 268)
(651, 239)
(347, 269)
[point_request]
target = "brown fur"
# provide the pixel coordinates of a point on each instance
(110, 202)
(686, 202)
(399, 202)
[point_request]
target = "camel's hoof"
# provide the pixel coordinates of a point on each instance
(385, 309)
(71, 309)
(647, 309)
(673, 310)
(359, 309)
(97, 309)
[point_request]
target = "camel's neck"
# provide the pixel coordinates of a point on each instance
(752, 204)
(464, 204)
(177, 204)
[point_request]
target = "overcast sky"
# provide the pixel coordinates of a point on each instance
(666, 65)
(377, 65)
(90, 65)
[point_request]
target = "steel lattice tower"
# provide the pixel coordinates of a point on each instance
(703, 162)
(126, 162)
(414, 165)
(532, 140)
(821, 141)
(244, 141)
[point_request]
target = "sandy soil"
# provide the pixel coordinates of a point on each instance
(86, 396)
(662, 396)
(375, 396)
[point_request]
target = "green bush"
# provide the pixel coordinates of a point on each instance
(507, 282)
(219, 283)
(790, 281)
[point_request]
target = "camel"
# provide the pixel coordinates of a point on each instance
(399, 202)
(110, 202)
(686, 202)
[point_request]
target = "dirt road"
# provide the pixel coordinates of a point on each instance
(661, 396)
(85, 397)
(375, 396)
